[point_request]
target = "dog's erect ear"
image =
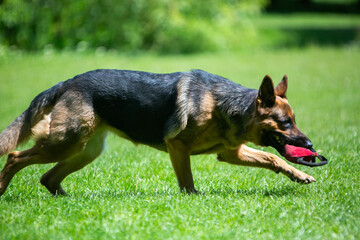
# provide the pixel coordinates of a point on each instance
(281, 88)
(266, 93)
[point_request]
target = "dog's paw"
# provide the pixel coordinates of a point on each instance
(189, 190)
(299, 176)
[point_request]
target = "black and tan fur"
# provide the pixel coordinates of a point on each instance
(184, 114)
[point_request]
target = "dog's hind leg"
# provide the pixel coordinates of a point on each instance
(94, 147)
(62, 134)
(180, 159)
(247, 156)
(15, 162)
(37, 155)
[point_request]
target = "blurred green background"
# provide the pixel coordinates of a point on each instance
(176, 26)
(131, 192)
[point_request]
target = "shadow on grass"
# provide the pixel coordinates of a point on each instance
(266, 192)
(325, 36)
(225, 192)
(111, 194)
(274, 192)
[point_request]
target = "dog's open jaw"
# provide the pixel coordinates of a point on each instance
(285, 148)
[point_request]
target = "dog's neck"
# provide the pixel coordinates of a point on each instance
(240, 103)
(237, 110)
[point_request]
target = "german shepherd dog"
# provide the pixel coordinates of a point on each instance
(183, 113)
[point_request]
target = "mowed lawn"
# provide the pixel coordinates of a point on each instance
(130, 192)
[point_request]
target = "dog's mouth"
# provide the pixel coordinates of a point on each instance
(278, 141)
(295, 150)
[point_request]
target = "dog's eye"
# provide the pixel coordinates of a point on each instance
(286, 123)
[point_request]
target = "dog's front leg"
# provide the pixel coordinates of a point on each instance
(180, 159)
(247, 156)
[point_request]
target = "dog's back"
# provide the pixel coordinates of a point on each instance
(138, 104)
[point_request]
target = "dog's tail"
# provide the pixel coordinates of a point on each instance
(20, 129)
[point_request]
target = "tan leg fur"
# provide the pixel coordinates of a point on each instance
(180, 159)
(247, 156)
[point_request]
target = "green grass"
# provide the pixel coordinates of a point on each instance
(131, 192)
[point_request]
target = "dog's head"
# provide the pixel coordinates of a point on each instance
(275, 120)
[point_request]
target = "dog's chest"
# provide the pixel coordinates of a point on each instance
(209, 149)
